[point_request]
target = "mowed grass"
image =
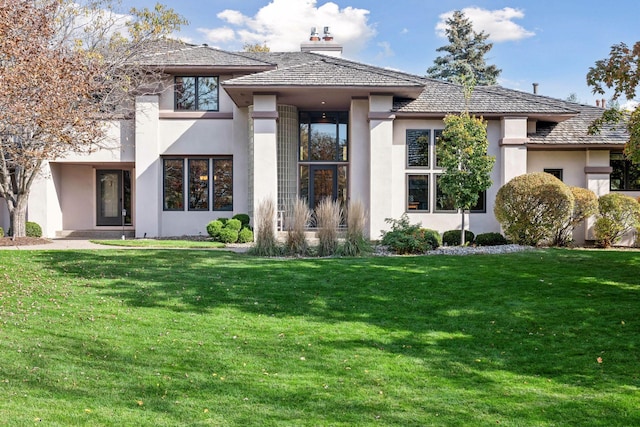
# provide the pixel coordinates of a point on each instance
(194, 338)
(159, 243)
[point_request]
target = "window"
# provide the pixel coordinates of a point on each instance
(436, 136)
(625, 175)
(445, 204)
(202, 196)
(196, 93)
(555, 172)
(323, 137)
(418, 193)
(173, 184)
(418, 147)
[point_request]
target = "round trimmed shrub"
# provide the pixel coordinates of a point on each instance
(490, 239)
(223, 221)
(245, 235)
(452, 237)
(406, 238)
(619, 214)
(213, 228)
(243, 218)
(228, 235)
(33, 229)
(233, 224)
(532, 207)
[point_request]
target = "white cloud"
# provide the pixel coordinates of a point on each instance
(497, 23)
(385, 50)
(629, 105)
(284, 24)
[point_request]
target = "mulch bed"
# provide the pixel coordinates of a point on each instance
(23, 241)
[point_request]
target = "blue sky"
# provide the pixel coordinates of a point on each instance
(552, 43)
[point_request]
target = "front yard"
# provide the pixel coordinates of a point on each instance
(166, 338)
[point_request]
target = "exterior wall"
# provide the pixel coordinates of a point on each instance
(44, 200)
(359, 154)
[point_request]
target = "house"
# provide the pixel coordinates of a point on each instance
(227, 130)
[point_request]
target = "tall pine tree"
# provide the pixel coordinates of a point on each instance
(464, 54)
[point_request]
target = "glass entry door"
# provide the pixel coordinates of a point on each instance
(323, 182)
(113, 197)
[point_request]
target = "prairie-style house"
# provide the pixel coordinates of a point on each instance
(227, 130)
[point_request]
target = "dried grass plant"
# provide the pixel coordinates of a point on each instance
(266, 243)
(328, 216)
(297, 220)
(355, 243)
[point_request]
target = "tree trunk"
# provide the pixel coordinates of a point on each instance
(462, 230)
(18, 216)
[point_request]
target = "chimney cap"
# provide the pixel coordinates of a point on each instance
(314, 37)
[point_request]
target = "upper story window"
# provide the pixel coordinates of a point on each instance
(418, 148)
(196, 93)
(625, 175)
(323, 137)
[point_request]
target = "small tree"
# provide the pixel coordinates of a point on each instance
(465, 51)
(462, 152)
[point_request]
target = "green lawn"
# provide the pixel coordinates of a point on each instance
(158, 243)
(167, 338)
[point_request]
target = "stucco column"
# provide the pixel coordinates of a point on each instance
(264, 156)
(597, 179)
(44, 205)
(380, 164)
(513, 150)
(148, 172)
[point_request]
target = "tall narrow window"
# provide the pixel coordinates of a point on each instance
(173, 184)
(198, 184)
(418, 192)
(196, 93)
(222, 184)
(418, 147)
(625, 174)
(436, 137)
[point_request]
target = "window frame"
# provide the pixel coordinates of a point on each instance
(557, 172)
(427, 179)
(412, 136)
(624, 172)
(196, 93)
(164, 184)
(190, 183)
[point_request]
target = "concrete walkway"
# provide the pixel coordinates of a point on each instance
(76, 244)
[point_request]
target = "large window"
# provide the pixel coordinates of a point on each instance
(443, 203)
(418, 148)
(210, 184)
(418, 193)
(196, 93)
(625, 175)
(323, 137)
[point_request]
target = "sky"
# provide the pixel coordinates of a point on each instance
(549, 42)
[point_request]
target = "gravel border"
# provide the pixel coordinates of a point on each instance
(463, 250)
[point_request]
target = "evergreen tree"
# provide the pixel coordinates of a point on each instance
(464, 54)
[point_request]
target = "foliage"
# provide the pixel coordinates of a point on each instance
(465, 54)
(243, 218)
(33, 229)
(618, 214)
(256, 47)
(223, 220)
(585, 204)
(233, 224)
(64, 64)
(328, 218)
(1, 232)
(467, 167)
(406, 238)
(452, 237)
(108, 337)
(531, 207)
(214, 227)
(266, 243)
(619, 71)
(355, 243)
(490, 239)
(228, 235)
(296, 222)
(245, 235)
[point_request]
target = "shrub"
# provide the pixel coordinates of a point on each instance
(234, 224)
(228, 235)
(618, 214)
(214, 227)
(490, 239)
(585, 205)
(452, 237)
(243, 218)
(1, 232)
(223, 221)
(328, 216)
(297, 219)
(406, 238)
(266, 243)
(355, 243)
(245, 235)
(33, 229)
(532, 207)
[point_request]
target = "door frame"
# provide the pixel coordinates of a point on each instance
(120, 220)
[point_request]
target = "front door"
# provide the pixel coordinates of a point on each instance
(113, 197)
(323, 182)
